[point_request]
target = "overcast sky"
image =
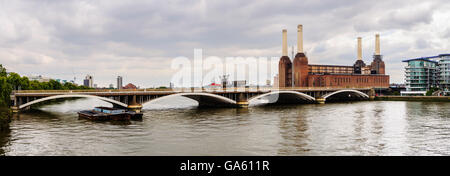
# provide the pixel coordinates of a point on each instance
(138, 39)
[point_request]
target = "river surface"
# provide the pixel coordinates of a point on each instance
(177, 127)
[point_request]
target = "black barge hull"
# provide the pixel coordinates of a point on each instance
(104, 117)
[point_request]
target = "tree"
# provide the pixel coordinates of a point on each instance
(35, 85)
(5, 91)
(24, 83)
(5, 88)
(2, 71)
(55, 85)
(431, 91)
(14, 80)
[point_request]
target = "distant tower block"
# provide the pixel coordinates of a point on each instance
(285, 65)
(119, 82)
(300, 62)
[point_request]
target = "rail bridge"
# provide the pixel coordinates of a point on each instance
(229, 97)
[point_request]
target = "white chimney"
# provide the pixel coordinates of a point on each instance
(300, 38)
(377, 44)
(359, 49)
(285, 49)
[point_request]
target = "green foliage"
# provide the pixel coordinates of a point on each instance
(35, 85)
(5, 90)
(13, 81)
(430, 92)
(2, 71)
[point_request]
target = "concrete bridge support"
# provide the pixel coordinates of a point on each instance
(372, 94)
(134, 106)
(242, 101)
(320, 100)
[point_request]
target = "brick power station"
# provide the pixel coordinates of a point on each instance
(300, 73)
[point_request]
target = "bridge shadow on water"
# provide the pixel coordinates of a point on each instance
(346, 97)
(50, 116)
(56, 102)
(344, 101)
(36, 113)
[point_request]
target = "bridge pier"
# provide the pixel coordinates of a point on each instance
(319, 97)
(372, 94)
(15, 109)
(320, 100)
(242, 101)
(134, 106)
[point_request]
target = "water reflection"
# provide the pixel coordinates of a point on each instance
(377, 129)
(4, 140)
(176, 127)
(360, 135)
(433, 122)
(294, 131)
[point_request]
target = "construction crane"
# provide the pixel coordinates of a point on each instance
(224, 80)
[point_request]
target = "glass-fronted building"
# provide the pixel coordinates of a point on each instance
(444, 73)
(423, 73)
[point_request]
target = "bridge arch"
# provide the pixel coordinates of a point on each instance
(285, 97)
(359, 94)
(72, 96)
(204, 99)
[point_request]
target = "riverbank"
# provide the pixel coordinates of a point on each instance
(413, 98)
(5, 118)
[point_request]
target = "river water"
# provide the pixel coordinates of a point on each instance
(177, 127)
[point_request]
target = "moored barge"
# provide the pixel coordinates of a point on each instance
(106, 113)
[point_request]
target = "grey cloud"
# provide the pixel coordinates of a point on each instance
(446, 33)
(404, 17)
(98, 31)
(408, 18)
(422, 44)
(319, 49)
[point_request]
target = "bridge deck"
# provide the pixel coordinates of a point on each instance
(205, 97)
(116, 92)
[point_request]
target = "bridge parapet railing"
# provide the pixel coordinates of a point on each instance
(89, 90)
(233, 89)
